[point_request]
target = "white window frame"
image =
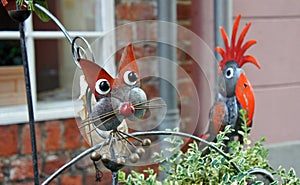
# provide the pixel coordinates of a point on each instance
(59, 109)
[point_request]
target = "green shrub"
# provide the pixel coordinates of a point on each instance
(195, 167)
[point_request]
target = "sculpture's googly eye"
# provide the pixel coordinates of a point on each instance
(229, 73)
(102, 86)
(130, 77)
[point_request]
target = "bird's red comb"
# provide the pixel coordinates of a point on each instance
(235, 51)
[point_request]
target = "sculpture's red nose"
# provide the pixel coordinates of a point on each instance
(127, 109)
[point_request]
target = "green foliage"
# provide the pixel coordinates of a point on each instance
(286, 177)
(10, 53)
(196, 166)
(136, 178)
(44, 17)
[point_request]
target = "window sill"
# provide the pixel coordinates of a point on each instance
(45, 111)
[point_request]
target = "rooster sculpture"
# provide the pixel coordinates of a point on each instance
(234, 91)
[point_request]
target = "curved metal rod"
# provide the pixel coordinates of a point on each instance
(97, 146)
(73, 161)
(67, 35)
(57, 22)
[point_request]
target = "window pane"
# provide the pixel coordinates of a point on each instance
(54, 69)
(75, 15)
(79, 15)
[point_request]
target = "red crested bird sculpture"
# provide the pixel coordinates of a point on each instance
(234, 91)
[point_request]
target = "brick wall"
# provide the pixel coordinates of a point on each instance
(58, 141)
(138, 10)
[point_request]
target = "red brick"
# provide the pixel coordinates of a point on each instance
(151, 90)
(124, 34)
(141, 51)
(72, 136)
(21, 169)
(122, 11)
(53, 135)
(9, 140)
(54, 162)
(185, 23)
(71, 180)
(185, 69)
(183, 11)
(141, 31)
(152, 28)
(25, 183)
(142, 11)
(26, 139)
(135, 11)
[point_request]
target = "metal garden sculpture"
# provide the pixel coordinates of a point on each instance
(110, 101)
(117, 99)
(235, 92)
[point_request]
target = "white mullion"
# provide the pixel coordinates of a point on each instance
(8, 35)
(60, 35)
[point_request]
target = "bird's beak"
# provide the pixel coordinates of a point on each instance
(245, 95)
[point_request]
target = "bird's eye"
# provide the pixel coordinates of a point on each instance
(130, 77)
(229, 73)
(102, 86)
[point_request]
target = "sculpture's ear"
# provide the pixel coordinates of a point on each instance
(93, 72)
(128, 61)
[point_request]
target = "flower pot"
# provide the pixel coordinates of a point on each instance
(12, 89)
(19, 15)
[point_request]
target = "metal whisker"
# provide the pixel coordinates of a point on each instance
(100, 124)
(97, 118)
(148, 101)
(121, 137)
(151, 106)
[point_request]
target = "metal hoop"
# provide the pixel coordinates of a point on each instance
(77, 49)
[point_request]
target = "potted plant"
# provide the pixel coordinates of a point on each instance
(195, 167)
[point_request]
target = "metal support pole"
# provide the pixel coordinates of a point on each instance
(168, 85)
(114, 175)
(29, 104)
(167, 88)
(223, 17)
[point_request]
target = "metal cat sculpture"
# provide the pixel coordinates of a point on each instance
(110, 102)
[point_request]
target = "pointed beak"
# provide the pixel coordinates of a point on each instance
(245, 96)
